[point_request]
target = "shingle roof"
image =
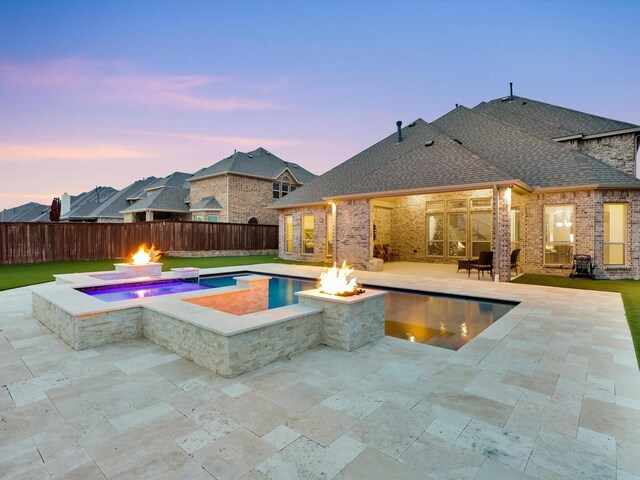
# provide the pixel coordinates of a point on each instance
(118, 201)
(207, 203)
(176, 179)
(536, 161)
(29, 212)
(258, 163)
(543, 118)
(390, 166)
(85, 203)
(168, 199)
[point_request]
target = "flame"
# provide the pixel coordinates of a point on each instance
(145, 255)
(334, 281)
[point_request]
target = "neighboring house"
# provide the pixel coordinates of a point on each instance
(240, 188)
(29, 212)
(78, 208)
(164, 199)
(510, 173)
(109, 211)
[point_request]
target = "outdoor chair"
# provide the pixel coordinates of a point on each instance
(390, 254)
(378, 252)
(483, 264)
(583, 266)
(514, 259)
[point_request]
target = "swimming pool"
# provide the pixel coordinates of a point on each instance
(129, 291)
(445, 321)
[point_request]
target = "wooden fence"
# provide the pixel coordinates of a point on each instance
(50, 242)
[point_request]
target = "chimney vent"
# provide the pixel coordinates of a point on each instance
(511, 91)
(399, 125)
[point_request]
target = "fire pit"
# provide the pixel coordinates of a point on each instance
(335, 282)
(143, 263)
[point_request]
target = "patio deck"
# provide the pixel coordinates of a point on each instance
(551, 390)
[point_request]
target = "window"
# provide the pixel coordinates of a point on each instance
(615, 233)
(285, 185)
(457, 205)
(329, 235)
(254, 221)
(288, 233)
(307, 234)
(515, 228)
(292, 187)
(212, 218)
(481, 203)
(435, 234)
(276, 189)
(457, 234)
(198, 218)
(480, 232)
(559, 234)
(435, 206)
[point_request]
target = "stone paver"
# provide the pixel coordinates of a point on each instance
(546, 392)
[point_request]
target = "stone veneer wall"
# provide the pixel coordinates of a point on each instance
(234, 355)
(218, 253)
(619, 151)
(88, 331)
(320, 234)
(216, 186)
(409, 228)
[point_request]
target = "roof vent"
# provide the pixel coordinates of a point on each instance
(457, 141)
(250, 156)
(524, 103)
(412, 124)
(399, 125)
(428, 143)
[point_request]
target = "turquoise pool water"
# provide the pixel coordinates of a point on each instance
(445, 321)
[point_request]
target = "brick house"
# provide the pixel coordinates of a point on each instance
(509, 173)
(240, 188)
(165, 199)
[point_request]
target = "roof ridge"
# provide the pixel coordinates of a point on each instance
(529, 118)
(569, 110)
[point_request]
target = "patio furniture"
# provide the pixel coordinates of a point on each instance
(463, 263)
(378, 252)
(583, 266)
(483, 264)
(514, 259)
(390, 254)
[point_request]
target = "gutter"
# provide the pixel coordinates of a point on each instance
(581, 136)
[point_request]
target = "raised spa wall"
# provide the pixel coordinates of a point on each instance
(228, 330)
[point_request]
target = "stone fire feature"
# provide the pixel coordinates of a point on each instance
(348, 322)
(128, 270)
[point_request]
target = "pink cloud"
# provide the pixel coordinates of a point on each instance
(118, 82)
(238, 141)
(12, 152)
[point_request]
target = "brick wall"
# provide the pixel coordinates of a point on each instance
(382, 222)
(216, 186)
(502, 234)
(354, 229)
(617, 151)
(320, 228)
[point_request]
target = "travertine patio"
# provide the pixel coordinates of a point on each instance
(551, 390)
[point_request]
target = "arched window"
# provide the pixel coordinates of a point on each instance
(254, 221)
(285, 185)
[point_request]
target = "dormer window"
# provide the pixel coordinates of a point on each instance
(285, 185)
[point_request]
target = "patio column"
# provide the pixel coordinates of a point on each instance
(502, 232)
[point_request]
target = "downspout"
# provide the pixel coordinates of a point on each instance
(496, 233)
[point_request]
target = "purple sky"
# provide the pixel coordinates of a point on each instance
(104, 93)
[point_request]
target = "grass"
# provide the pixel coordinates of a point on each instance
(13, 276)
(629, 289)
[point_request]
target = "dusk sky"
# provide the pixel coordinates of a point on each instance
(104, 93)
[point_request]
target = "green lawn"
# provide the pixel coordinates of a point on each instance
(629, 289)
(12, 276)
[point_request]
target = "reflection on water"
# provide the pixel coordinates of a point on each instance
(447, 322)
